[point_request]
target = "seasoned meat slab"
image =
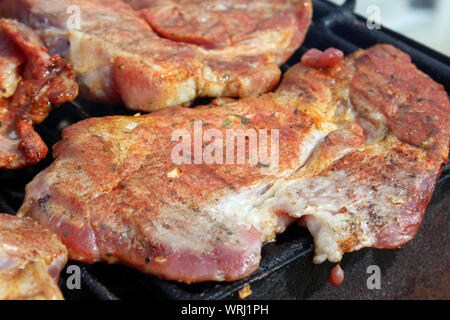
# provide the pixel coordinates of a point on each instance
(31, 258)
(151, 59)
(361, 144)
(30, 83)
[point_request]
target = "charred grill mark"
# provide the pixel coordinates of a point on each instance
(44, 200)
(214, 175)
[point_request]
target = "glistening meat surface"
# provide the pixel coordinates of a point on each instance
(30, 83)
(31, 258)
(151, 59)
(356, 166)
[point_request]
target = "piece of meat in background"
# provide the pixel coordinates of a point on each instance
(31, 82)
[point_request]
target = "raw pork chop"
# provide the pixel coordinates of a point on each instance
(119, 58)
(31, 258)
(30, 83)
(361, 144)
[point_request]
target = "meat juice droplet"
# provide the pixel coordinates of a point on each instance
(336, 276)
(326, 59)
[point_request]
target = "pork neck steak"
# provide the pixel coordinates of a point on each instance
(151, 59)
(31, 258)
(361, 145)
(30, 83)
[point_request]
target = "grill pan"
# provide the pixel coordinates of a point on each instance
(418, 270)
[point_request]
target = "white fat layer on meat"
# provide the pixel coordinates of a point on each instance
(182, 92)
(93, 61)
(339, 210)
(7, 253)
(326, 246)
(220, 6)
(373, 123)
(131, 125)
(88, 62)
(7, 263)
(12, 135)
(9, 66)
(55, 39)
(9, 80)
(9, 145)
(91, 65)
(31, 282)
(245, 206)
(320, 199)
(209, 84)
(88, 52)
